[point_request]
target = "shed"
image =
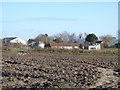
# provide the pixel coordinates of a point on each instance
(93, 47)
(39, 44)
(31, 42)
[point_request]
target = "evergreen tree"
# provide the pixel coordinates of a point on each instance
(91, 38)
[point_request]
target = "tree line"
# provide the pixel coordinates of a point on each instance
(72, 37)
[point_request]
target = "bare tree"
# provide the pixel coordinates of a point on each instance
(72, 38)
(106, 37)
(80, 35)
(43, 38)
(66, 37)
(38, 38)
(63, 36)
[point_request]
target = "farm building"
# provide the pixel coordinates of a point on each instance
(93, 47)
(105, 42)
(64, 45)
(31, 42)
(9, 40)
(39, 44)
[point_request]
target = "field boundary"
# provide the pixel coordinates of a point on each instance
(63, 52)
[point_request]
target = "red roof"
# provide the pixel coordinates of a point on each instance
(103, 42)
(106, 42)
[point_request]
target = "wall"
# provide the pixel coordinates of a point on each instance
(18, 40)
(94, 47)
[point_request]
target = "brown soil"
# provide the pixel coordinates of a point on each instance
(40, 70)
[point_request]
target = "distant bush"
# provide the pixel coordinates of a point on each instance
(0, 43)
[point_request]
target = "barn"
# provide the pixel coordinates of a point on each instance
(9, 40)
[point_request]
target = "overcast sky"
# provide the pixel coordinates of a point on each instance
(28, 19)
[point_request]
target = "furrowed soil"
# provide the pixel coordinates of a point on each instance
(41, 70)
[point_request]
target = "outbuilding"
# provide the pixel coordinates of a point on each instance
(39, 44)
(9, 40)
(31, 42)
(93, 47)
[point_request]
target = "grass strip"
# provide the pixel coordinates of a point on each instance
(71, 53)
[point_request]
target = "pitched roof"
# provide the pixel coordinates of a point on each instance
(10, 38)
(98, 41)
(31, 39)
(103, 42)
(106, 42)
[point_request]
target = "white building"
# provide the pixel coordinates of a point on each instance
(8, 40)
(93, 47)
(39, 44)
(31, 42)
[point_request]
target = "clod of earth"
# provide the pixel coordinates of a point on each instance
(40, 70)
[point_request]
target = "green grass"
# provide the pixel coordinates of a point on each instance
(71, 53)
(102, 54)
(77, 53)
(8, 51)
